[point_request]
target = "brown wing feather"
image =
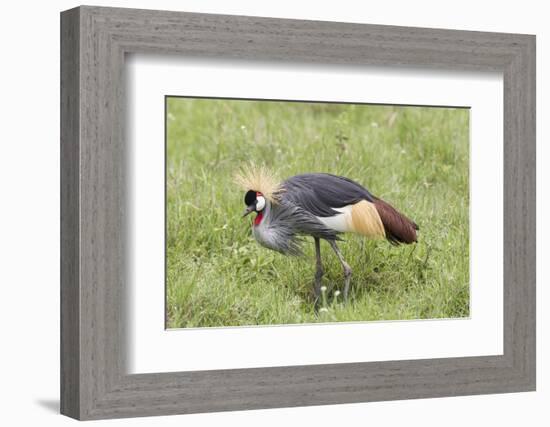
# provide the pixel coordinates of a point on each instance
(399, 228)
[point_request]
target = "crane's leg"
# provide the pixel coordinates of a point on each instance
(319, 269)
(345, 266)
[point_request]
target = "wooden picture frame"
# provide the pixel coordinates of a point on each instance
(94, 382)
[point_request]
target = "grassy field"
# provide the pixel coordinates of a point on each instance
(415, 158)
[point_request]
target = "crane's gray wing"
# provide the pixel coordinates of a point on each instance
(302, 222)
(320, 193)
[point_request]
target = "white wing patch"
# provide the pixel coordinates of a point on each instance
(341, 222)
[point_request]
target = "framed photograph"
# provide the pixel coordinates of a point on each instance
(261, 213)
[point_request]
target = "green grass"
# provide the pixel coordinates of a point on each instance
(414, 158)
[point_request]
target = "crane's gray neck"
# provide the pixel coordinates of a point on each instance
(264, 216)
(276, 231)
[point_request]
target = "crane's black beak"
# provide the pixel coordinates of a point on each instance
(249, 209)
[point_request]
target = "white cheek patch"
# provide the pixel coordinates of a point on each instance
(260, 203)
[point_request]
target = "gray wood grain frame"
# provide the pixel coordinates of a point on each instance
(94, 270)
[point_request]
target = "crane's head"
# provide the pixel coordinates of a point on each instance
(262, 190)
(254, 201)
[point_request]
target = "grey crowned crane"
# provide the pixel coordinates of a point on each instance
(322, 206)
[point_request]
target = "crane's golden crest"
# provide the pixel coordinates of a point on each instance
(261, 179)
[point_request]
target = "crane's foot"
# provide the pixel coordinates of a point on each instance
(318, 282)
(347, 279)
(317, 291)
(345, 266)
(318, 273)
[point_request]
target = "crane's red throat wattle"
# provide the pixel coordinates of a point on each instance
(258, 218)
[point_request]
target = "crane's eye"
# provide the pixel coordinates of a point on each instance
(260, 203)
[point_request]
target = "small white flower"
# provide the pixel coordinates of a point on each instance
(323, 310)
(336, 293)
(323, 288)
(243, 127)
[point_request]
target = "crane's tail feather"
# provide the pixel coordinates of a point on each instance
(398, 228)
